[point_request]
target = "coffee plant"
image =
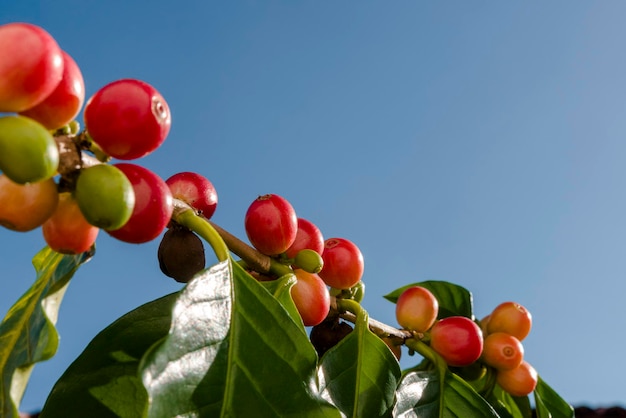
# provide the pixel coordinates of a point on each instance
(275, 328)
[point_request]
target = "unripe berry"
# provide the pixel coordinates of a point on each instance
(105, 196)
(28, 152)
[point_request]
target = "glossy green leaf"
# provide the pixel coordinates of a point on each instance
(508, 406)
(360, 374)
(419, 396)
(281, 289)
(27, 332)
(103, 381)
(453, 299)
(232, 350)
(549, 404)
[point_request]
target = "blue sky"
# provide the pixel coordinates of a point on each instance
(473, 142)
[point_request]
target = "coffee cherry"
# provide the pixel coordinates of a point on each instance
(127, 118)
(181, 254)
(309, 261)
(502, 351)
(67, 231)
(512, 318)
(153, 205)
(520, 381)
(105, 196)
(308, 236)
(195, 190)
(26, 206)
(63, 104)
(457, 339)
(271, 224)
(417, 309)
(31, 66)
(311, 297)
(343, 263)
(327, 334)
(28, 152)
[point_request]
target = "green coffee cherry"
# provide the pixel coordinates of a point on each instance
(28, 152)
(105, 196)
(309, 261)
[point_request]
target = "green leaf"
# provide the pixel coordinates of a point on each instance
(419, 396)
(453, 299)
(549, 404)
(232, 350)
(27, 332)
(509, 406)
(103, 381)
(360, 374)
(281, 289)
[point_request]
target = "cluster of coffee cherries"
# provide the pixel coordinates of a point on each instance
(491, 345)
(55, 177)
(320, 265)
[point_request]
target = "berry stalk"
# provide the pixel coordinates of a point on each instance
(184, 215)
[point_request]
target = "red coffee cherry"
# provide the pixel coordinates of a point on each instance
(308, 236)
(31, 66)
(271, 224)
(311, 297)
(343, 263)
(63, 104)
(127, 118)
(195, 190)
(457, 339)
(153, 205)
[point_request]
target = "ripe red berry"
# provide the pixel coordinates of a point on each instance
(67, 231)
(308, 237)
(195, 190)
(457, 339)
(127, 118)
(343, 263)
(311, 297)
(153, 205)
(30, 68)
(63, 104)
(271, 224)
(417, 309)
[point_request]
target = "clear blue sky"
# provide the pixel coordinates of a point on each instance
(481, 143)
